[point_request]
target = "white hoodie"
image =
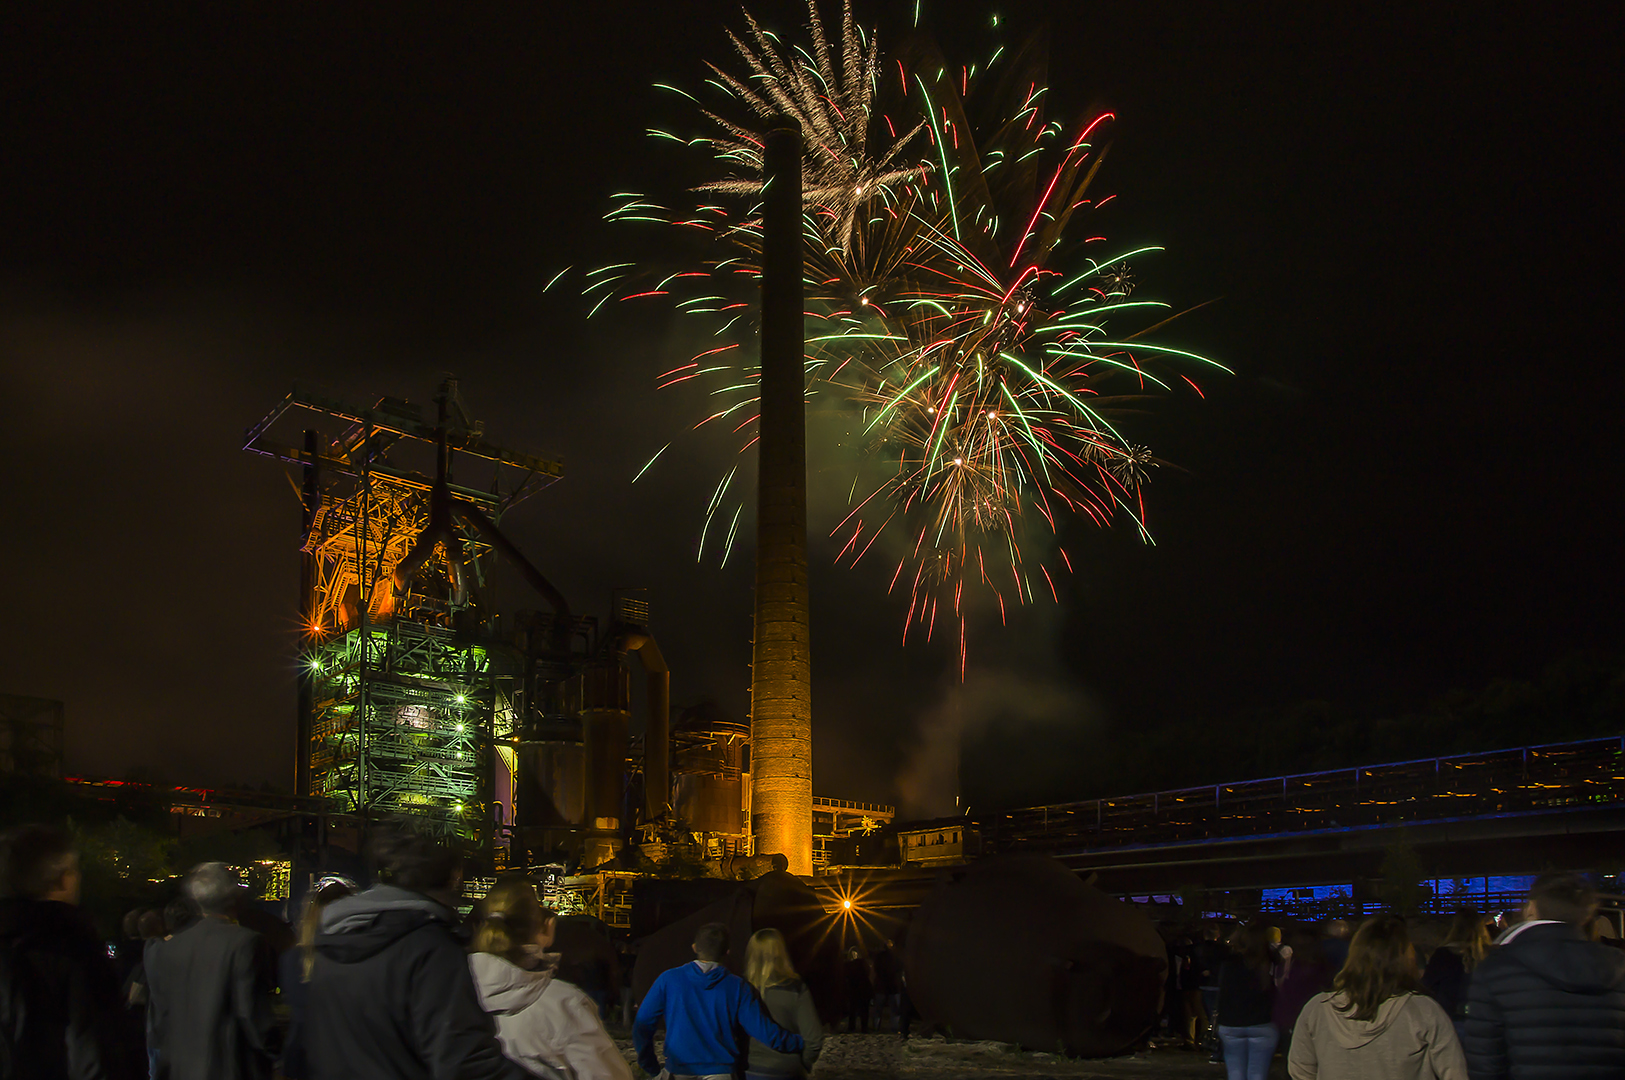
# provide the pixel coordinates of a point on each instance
(545, 1024)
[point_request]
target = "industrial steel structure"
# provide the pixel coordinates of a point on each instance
(413, 698)
(834, 820)
(711, 765)
(398, 696)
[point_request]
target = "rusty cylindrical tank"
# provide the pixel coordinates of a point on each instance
(1017, 949)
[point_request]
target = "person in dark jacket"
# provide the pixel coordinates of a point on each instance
(888, 986)
(59, 1004)
(390, 996)
(1207, 957)
(1547, 1003)
(1307, 974)
(1246, 1004)
(294, 968)
(860, 991)
(211, 989)
(135, 995)
(1445, 979)
(704, 1008)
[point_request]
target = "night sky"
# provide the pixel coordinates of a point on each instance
(1407, 217)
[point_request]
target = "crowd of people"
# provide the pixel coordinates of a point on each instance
(1541, 1001)
(385, 982)
(388, 982)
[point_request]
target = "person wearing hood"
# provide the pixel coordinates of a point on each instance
(390, 996)
(704, 1007)
(1375, 1024)
(59, 1003)
(1548, 1003)
(547, 1025)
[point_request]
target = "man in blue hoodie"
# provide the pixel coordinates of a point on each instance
(705, 1007)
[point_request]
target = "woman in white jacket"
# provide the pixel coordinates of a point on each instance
(545, 1024)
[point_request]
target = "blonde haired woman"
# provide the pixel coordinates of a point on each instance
(295, 967)
(788, 1001)
(545, 1024)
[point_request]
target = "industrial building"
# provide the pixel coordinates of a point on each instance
(513, 732)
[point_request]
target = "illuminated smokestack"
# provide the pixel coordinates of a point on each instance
(781, 667)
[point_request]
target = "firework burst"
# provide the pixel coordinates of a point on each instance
(834, 103)
(949, 311)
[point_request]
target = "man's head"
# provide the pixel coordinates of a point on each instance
(407, 859)
(1562, 898)
(711, 942)
(38, 863)
(132, 924)
(179, 913)
(150, 926)
(213, 887)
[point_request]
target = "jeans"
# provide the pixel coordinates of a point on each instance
(885, 1005)
(1210, 1004)
(1248, 1050)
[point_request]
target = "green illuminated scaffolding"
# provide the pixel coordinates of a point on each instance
(402, 723)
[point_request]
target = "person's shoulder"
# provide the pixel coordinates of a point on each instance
(560, 993)
(789, 987)
(216, 935)
(1321, 1002)
(1426, 1007)
(1498, 959)
(243, 935)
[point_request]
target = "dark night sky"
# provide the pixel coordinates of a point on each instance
(1405, 489)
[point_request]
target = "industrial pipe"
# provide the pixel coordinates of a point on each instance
(311, 501)
(440, 527)
(438, 530)
(492, 535)
(657, 735)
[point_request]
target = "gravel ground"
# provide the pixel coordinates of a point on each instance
(886, 1057)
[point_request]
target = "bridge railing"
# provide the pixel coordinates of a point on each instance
(1522, 780)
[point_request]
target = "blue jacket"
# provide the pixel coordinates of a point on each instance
(704, 1013)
